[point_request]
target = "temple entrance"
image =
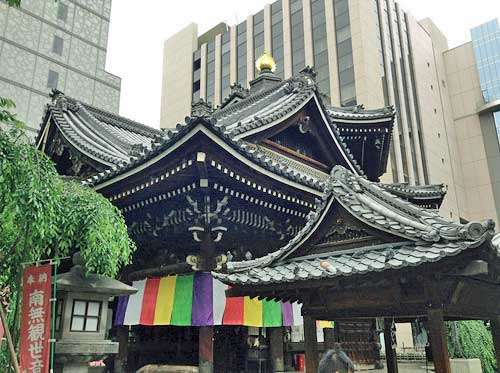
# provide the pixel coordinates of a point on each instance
(169, 345)
(230, 349)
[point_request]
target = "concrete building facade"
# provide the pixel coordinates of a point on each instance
(473, 76)
(45, 45)
(364, 52)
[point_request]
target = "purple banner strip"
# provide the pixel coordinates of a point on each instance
(287, 312)
(120, 310)
(203, 314)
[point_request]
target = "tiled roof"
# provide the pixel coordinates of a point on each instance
(107, 138)
(347, 263)
(419, 191)
(121, 144)
(424, 236)
(248, 150)
(359, 113)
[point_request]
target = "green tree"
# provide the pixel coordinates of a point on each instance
(42, 215)
(14, 2)
(472, 340)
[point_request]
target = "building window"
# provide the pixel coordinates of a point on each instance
(85, 316)
(59, 313)
(62, 12)
(344, 53)
(53, 79)
(57, 45)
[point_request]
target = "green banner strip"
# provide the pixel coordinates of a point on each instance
(183, 300)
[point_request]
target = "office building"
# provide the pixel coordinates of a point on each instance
(48, 44)
(473, 75)
(364, 52)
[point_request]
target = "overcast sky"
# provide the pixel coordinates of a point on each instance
(138, 29)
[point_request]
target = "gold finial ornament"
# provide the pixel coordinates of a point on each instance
(265, 62)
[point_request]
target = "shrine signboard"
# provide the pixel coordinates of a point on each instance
(35, 321)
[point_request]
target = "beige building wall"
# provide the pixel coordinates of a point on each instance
(287, 42)
(428, 45)
(367, 71)
(177, 78)
(464, 90)
(368, 82)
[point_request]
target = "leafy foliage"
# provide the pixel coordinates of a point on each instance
(472, 340)
(42, 215)
(5, 115)
(93, 226)
(14, 3)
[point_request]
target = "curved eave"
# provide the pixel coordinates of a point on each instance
(157, 154)
(83, 149)
(395, 211)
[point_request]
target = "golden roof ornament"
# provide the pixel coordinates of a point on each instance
(265, 63)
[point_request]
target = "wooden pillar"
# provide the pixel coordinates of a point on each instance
(122, 333)
(329, 338)
(311, 344)
(390, 348)
(437, 334)
(495, 332)
(276, 346)
(206, 349)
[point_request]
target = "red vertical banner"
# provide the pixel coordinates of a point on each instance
(35, 319)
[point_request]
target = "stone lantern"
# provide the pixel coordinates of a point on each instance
(81, 318)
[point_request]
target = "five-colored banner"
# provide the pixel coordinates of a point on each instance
(200, 300)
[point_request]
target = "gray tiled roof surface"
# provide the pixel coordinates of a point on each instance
(107, 138)
(358, 113)
(347, 263)
(248, 150)
(426, 236)
(122, 144)
(421, 191)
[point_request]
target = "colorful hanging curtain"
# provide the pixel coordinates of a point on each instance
(200, 300)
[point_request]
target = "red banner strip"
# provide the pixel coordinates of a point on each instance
(149, 301)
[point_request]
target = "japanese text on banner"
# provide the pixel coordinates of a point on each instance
(35, 321)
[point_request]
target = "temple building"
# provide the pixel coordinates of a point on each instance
(278, 194)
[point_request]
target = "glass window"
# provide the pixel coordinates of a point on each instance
(259, 17)
(346, 76)
(211, 47)
(57, 45)
(321, 59)
(196, 86)
(344, 53)
(85, 316)
(62, 11)
(52, 79)
(345, 62)
(295, 5)
(258, 28)
(343, 34)
(341, 21)
(344, 48)
(341, 7)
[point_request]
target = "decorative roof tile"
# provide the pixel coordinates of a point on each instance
(425, 236)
